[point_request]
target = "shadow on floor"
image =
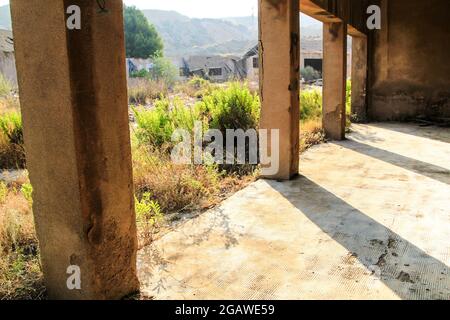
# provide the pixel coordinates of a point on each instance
(423, 168)
(416, 130)
(406, 269)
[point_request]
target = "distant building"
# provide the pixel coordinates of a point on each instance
(224, 68)
(214, 68)
(137, 64)
(250, 64)
(7, 60)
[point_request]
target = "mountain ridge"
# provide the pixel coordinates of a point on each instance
(185, 36)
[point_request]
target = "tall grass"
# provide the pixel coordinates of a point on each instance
(20, 270)
(310, 104)
(12, 152)
(142, 90)
(196, 87)
(5, 86)
(155, 126)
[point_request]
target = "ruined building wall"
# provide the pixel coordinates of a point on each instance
(409, 61)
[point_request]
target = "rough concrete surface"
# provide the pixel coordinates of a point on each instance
(369, 218)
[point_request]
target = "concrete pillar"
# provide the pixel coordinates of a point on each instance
(334, 79)
(359, 79)
(279, 33)
(74, 105)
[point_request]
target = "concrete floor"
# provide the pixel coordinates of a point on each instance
(369, 218)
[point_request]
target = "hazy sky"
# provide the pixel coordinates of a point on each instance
(197, 8)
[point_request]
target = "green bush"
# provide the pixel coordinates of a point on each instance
(140, 74)
(27, 192)
(11, 127)
(232, 108)
(164, 70)
(309, 73)
(310, 104)
(12, 152)
(148, 211)
(155, 126)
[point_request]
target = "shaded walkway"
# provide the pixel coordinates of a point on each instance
(368, 218)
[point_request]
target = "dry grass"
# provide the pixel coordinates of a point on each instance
(162, 188)
(311, 133)
(196, 87)
(175, 187)
(20, 271)
(141, 90)
(9, 103)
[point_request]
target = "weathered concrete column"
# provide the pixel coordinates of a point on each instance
(74, 105)
(279, 32)
(359, 78)
(334, 79)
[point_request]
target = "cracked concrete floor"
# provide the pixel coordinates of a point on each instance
(368, 218)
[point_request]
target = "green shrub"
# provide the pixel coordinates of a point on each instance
(148, 211)
(155, 126)
(140, 74)
(310, 104)
(12, 152)
(232, 108)
(11, 127)
(309, 73)
(164, 70)
(27, 192)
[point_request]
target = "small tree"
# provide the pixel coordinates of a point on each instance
(141, 38)
(309, 73)
(164, 70)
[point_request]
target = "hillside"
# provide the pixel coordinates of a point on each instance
(184, 36)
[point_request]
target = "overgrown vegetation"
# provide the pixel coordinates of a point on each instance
(162, 188)
(12, 154)
(143, 90)
(163, 71)
(310, 74)
(196, 87)
(186, 187)
(20, 270)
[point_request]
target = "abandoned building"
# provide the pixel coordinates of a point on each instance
(367, 218)
(7, 61)
(135, 65)
(214, 68)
